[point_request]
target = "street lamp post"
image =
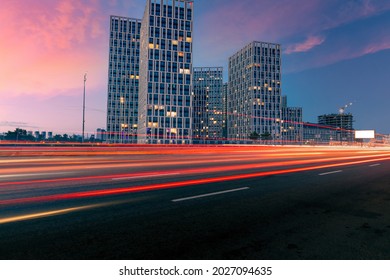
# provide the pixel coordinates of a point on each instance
(82, 136)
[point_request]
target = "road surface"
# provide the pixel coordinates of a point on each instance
(194, 202)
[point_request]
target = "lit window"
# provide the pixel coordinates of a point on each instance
(185, 71)
(153, 124)
(171, 114)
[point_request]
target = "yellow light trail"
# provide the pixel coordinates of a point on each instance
(64, 211)
(45, 214)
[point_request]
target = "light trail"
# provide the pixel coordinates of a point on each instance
(151, 187)
(32, 174)
(145, 176)
(127, 176)
(45, 214)
(98, 165)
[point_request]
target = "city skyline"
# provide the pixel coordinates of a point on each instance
(338, 54)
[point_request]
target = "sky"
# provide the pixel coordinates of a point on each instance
(334, 53)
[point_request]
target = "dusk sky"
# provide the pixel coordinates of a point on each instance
(334, 52)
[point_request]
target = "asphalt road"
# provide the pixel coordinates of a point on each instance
(194, 203)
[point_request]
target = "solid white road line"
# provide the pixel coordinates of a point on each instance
(145, 176)
(373, 165)
(209, 194)
(332, 172)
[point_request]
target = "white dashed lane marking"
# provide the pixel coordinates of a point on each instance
(209, 194)
(332, 172)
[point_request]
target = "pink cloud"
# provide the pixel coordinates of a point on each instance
(311, 42)
(52, 24)
(342, 53)
(373, 48)
(50, 44)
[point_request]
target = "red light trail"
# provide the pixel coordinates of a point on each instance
(151, 187)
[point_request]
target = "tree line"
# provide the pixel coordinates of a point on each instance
(22, 135)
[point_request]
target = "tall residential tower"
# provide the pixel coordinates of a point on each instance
(254, 99)
(123, 80)
(207, 104)
(165, 100)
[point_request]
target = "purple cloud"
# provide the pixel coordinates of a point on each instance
(308, 44)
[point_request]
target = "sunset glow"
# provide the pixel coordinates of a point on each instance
(49, 46)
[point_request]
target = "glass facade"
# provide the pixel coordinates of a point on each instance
(123, 80)
(254, 99)
(165, 92)
(292, 126)
(207, 104)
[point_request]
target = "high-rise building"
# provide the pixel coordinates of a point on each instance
(292, 126)
(254, 99)
(207, 104)
(123, 80)
(165, 100)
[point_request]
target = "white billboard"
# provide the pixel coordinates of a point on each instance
(364, 134)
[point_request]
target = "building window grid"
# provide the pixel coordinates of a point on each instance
(208, 104)
(163, 59)
(248, 81)
(123, 80)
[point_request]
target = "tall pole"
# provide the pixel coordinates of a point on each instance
(342, 114)
(82, 136)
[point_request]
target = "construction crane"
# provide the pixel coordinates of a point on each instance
(342, 109)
